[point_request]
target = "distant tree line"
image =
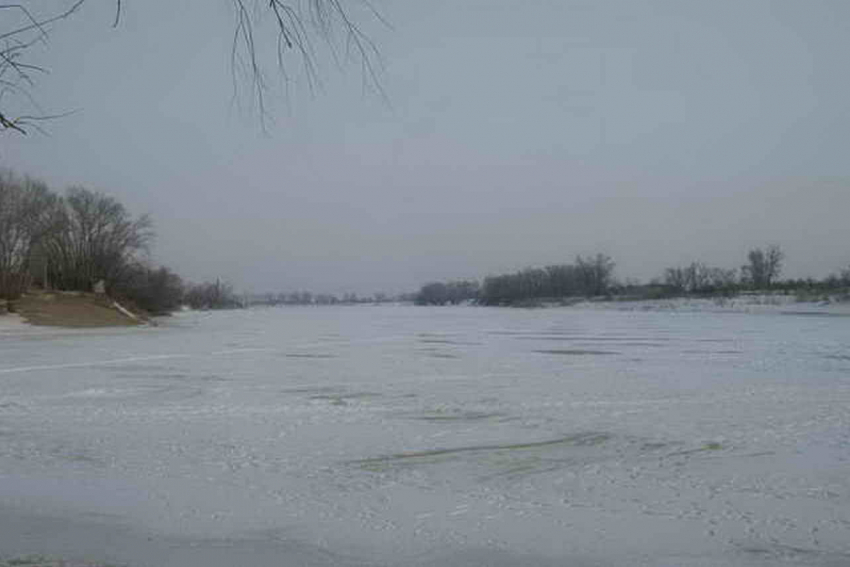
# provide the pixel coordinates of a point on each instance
(211, 295)
(698, 278)
(75, 241)
(760, 273)
(309, 298)
(593, 277)
(85, 241)
(448, 293)
(587, 277)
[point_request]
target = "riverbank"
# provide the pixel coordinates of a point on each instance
(744, 303)
(72, 309)
(749, 302)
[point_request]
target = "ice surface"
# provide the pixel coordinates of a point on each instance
(431, 436)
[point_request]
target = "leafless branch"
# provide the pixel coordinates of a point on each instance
(39, 24)
(16, 74)
(297, 25)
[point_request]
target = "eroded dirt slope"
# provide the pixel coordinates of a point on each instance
(67, 309)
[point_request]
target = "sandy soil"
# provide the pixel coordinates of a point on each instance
(66, 309)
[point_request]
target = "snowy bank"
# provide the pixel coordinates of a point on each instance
(756, 304)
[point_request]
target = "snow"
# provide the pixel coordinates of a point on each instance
(394, 435)
(759, 303)
(123, 310)
(11, 323)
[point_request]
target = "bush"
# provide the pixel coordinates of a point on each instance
(454, 292)
(156, 290)
(209, 295)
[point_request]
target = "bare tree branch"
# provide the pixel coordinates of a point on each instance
(297, 25)
(40, 24)
(15, 74)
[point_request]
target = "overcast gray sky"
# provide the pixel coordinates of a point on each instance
(518, 132)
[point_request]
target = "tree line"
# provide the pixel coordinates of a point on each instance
(83, 240)
(587, 276)
(760, 272)
(309, 298)
(593, 277)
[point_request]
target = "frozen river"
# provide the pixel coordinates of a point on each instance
(397, 436)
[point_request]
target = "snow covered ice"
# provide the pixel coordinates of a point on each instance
(431, 436)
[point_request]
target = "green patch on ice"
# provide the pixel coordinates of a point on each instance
(575, 352)
(333, 400)
(338, 398)
(459, 416)
(44, 561)
(706, 447)
(310, 390)
(434, 353)
(777, 552)
(28, 560)
(433, 456)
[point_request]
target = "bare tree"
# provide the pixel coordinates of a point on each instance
(722, 279)
(595, 273)
(440, 293)
(156, 290)
(285, 28)
(764, 266)
(211, 295)
(678, 279)
(96, 239)
(698, 278)
(27, 210)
